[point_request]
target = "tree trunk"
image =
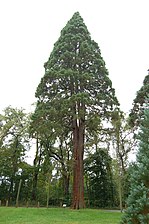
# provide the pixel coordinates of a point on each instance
(66, 180)
(34, 187)
(78, 166)
(36, 171)
(65, 173)
(10, 193)
(18, 193)
(48, 189)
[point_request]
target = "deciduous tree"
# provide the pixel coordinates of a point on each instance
(14, 143)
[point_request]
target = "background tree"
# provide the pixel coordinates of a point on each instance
(123, 144)
(99, 179)
(74, 92)
(14, 144)
(36, 167)
(139, 102)
(50, 148)
(138, 201)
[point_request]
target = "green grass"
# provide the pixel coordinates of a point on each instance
(9, 215)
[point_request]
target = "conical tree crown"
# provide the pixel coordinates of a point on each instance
(76, 71)
(72, 45)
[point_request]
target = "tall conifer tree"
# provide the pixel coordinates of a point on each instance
(75, 94)
(139, 102)
(137, 211)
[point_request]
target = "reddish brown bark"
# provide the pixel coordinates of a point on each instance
(78, 166)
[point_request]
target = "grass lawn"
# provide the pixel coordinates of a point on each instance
(57, 216)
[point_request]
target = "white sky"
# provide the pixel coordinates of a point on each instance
(29, 28)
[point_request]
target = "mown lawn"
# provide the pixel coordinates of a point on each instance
(9, 215)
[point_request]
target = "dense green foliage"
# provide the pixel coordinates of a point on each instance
(138, 201)
(77, 114)
(14, 140)
(139, 102)
(74, 96)
(55, 215)
(75, 77)
(99, 179)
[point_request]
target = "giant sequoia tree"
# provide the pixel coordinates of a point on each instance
(74, 95)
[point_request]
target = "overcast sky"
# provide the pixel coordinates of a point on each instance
(29, 28)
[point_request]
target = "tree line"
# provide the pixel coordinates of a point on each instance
(82, 139)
